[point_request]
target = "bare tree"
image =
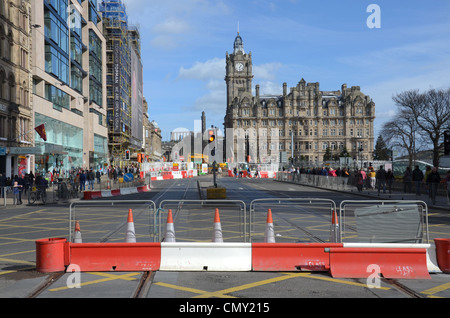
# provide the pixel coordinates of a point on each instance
(431, 113)
(399, 133)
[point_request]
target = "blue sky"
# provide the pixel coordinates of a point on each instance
(184, 43)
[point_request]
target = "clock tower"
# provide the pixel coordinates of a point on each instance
(239, 74)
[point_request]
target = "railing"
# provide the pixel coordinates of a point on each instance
(350, 183)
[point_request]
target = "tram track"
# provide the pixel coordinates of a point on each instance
(394, 283)
(278, 195)
(143, 281)
(146, 278)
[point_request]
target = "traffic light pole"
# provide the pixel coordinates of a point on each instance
(214, 173)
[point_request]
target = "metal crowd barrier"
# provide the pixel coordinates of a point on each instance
(384, 221)
(287, 212)
(295, 220)
(104, 221)
(200, 214)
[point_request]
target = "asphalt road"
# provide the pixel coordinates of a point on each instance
(21, 226)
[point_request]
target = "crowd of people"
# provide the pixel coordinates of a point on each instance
(21, 184)
(379, 179)
(79, 179)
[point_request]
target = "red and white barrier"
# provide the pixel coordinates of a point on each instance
(341, 260)
(54, 255)
(90, 195)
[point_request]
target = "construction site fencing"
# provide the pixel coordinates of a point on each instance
(382, 221)
(106, 221)
(194, 219)
(294, 219)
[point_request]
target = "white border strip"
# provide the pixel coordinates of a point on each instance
(227, 257)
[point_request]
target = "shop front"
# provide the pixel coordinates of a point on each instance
(63, 150)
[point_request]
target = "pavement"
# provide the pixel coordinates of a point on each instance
(52, 192)
(442, 202)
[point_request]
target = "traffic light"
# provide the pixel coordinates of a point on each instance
(447, 143)
(127, 155)
(211, 140)
(212, 136)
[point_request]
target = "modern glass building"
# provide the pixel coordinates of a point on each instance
(69, 85)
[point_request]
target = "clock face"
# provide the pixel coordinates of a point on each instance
(239, 67)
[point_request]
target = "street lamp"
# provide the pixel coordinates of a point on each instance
(360, 150)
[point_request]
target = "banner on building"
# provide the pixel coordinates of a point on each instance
(116, 88)
(41, 131)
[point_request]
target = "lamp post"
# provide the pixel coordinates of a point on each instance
(360, 150)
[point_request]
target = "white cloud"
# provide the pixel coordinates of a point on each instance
(172, 26)
(266, 71)
(204, 71)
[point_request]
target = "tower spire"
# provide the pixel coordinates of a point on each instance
(238, 43)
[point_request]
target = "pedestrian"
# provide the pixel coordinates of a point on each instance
(82, 181)
(16, 192)
(389, 179)
(381, 179)
(364, 176)
(345, 176)
(434, 179)
(407, 180)
(20, 182)
(373, 179)
(359, 181)
(98, 175)
(91, 179)
(417, 177)
(76, 181)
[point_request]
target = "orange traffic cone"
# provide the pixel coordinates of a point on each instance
(170, 230)
(217, 234)
(269, 234)
(131, 233)
(335, 232)
(77, 236)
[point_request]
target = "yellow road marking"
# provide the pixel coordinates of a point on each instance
(7, 272)
(221, 293)
(109, 277)
(16, 261)
(333, 280)
(191, 290)
(436, 289)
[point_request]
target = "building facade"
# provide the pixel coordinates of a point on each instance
(124, 83)
(304, 123)
(16, 114)
(152, 144)
(69, 81)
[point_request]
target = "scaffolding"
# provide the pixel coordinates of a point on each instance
(116, 29)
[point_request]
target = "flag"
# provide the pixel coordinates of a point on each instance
(41, 131)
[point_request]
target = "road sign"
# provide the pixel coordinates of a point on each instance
(128, 177)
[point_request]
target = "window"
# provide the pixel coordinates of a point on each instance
(23, 58)
(56, 31)
(59, 98)
(56, 63)
(77, 79)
